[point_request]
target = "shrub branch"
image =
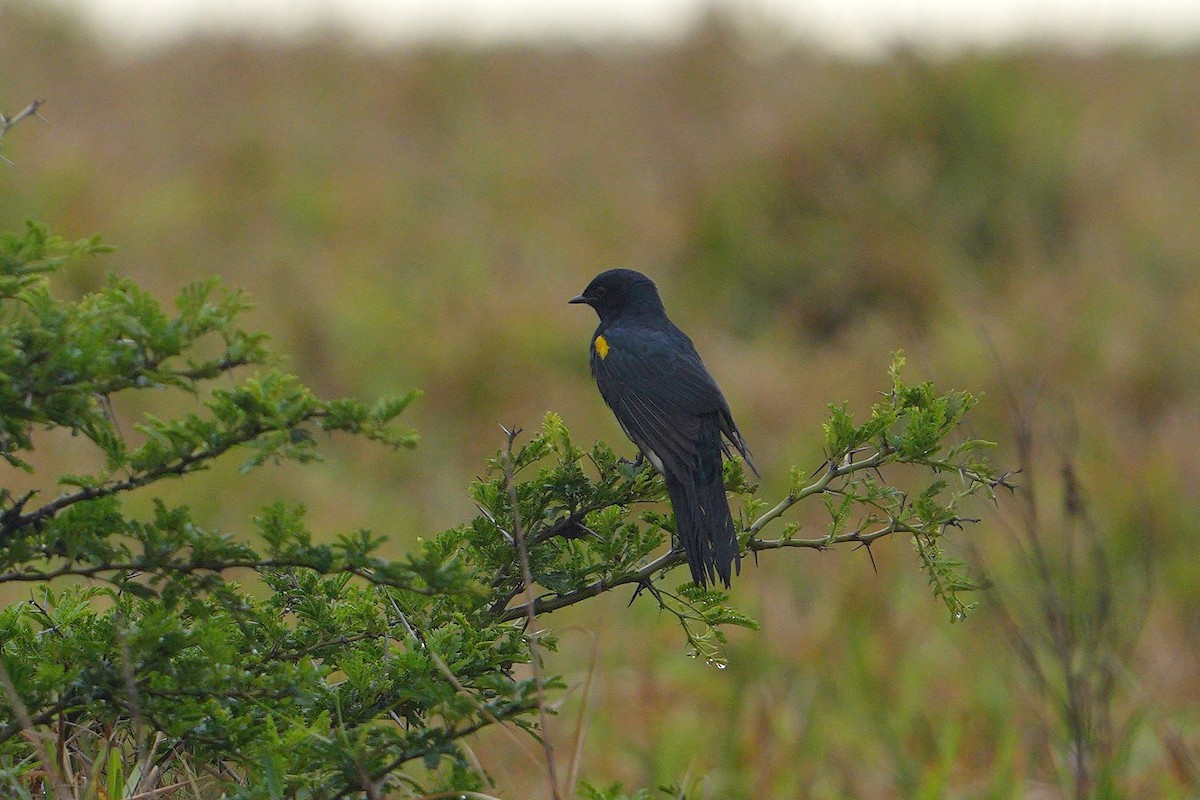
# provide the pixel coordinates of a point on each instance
(336, 667)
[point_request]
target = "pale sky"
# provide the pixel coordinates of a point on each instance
(860, 27)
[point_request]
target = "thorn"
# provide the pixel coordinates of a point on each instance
(572, 528)
(823, 466)
(646, 584)
(14, 511)
(1003, 480)
(870, 555)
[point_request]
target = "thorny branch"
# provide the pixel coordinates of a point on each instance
(185, 567)
(6, 122)
(831, 472)
(642, 575)
(12, 520)
(887, 521)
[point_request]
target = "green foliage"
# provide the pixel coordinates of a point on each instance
(336, 671)
(911, 425)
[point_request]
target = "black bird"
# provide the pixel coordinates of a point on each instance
(652, 378)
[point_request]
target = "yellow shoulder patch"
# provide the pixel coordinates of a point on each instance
(601, 345)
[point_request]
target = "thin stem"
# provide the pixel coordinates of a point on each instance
(530, 610)
(832, 471)
(7, 122)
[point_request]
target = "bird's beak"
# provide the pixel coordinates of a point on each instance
(579, 298)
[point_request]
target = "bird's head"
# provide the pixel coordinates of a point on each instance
(620, 291)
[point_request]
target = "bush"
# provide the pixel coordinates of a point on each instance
(140, 663)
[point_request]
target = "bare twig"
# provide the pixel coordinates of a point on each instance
(165, 791)
(831, 472)
(7, 122)
(530, 612)
(131, 691)
(580, 726)
(31, 110)
(370, 786)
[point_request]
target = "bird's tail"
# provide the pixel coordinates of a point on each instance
(702, 516)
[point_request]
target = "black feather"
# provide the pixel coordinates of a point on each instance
(650, 375)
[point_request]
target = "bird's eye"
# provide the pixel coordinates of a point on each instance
(600, 291)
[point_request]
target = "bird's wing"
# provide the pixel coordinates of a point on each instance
(660, 392)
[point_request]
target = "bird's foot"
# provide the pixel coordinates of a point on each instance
(630, 469)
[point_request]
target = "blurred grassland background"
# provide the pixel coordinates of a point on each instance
(1024, 224)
